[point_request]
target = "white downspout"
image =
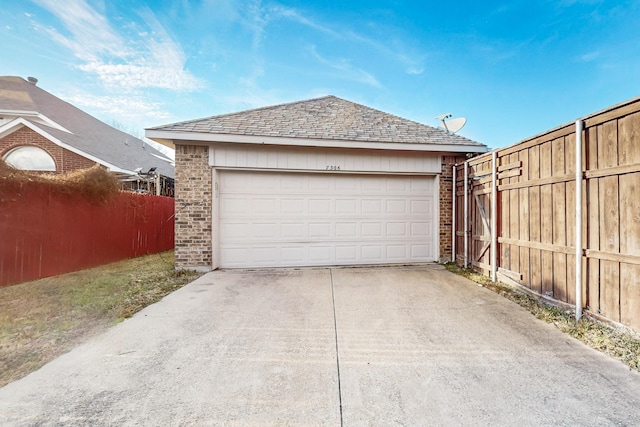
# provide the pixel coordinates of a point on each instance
(494, 216)
(453, 218)
(466, 214)
(579, 129)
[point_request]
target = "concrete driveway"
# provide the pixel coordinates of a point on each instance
(343, 346)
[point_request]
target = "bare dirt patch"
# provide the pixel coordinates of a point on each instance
(42, 319)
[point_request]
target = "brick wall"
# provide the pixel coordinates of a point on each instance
(446, 205)
(193, 193)
(65, 160)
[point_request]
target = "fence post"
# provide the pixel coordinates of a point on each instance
(466, 214)
(453, 218)
(494, 216)
(579, 128)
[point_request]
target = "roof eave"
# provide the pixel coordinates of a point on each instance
(28, 114)
(169, 138)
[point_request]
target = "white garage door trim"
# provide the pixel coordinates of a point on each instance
(290, 219)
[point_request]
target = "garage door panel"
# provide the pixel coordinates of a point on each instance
(350, 185)
(397, 252)
(371, 229)
(291, 206)
(421, 207)
(267, 230)
(397, 229)
(319, 206)
(292, 255)
(318, 254)
(320, 230)
(319, 183)
(420, 229)
(420, 251)
(292, 230)
(346, 206)
(234, 231)
(346, 230)
(371, 206)
(270, 219)
(372, 253)
(347, 253)
(234, 257)
(264, 206)
(236, 206)
(396, 207)
(374, 185)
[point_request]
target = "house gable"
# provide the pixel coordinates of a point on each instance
(64, 159)
(67, 157)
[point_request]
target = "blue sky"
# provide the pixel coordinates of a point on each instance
(513, 69)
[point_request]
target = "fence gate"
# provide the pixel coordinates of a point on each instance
(477, 212)
(479, 198)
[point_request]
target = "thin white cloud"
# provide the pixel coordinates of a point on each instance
(411, 60)
(256, 20)
(154, 60)
(250, 82)
(293, 15)
(590, 56)
(129, 108)
(346, 70)
(89, 33)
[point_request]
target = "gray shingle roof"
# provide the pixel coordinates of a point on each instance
(327, 118)
(88, 134)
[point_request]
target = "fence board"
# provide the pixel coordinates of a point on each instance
(570, 234)
(523, 203)
(535, 261)
(628, 139)
(629, 214)
(630, 294)
(514, 230)
(609, 215)
(607, 145)
(610, 293)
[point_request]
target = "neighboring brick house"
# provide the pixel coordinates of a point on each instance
(318, 182)
(39, 131)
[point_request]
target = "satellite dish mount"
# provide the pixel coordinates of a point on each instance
(453, 125)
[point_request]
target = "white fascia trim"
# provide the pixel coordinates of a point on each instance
(159, 136)
(40, 116)
(164, 159)
(20, 122)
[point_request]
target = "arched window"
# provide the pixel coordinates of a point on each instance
(29, 157)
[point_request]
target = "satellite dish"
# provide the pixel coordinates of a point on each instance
(453, 125)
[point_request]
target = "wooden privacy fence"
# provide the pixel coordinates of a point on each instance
(515, 214)
(45, 233)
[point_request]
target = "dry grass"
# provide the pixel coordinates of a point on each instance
(95, 183)
(619, 343)
(45, 318)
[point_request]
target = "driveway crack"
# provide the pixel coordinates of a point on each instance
(335, 329)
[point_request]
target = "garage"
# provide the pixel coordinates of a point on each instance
(318, 182)
(284, 219)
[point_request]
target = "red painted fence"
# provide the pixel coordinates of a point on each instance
(45, 233)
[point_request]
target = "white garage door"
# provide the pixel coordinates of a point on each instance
(271, 219)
